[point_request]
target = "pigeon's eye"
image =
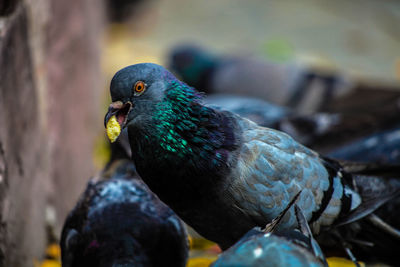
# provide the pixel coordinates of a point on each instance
(139, 88)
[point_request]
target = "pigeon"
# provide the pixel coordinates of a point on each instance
(269, 247)
(321, 131)
(291, 84)
(121, 11)
(223, 174)
(119, 222)
(261, 112)
(327, 132)
(382, 147)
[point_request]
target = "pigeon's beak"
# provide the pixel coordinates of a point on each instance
(116, 118)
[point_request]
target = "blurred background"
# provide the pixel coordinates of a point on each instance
(57, 59)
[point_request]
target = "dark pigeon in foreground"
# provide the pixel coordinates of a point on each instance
(119, 222)
(224, 175)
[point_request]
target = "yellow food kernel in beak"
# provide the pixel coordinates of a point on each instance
(113, 129)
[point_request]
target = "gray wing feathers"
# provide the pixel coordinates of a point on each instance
(272, 168)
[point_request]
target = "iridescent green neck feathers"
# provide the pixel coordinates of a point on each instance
(174, 116)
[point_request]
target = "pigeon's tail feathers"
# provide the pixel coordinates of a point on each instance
(375, 184)
(378, 189)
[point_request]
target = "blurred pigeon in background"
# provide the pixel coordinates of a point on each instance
(324, 132)
(259, 111)
(121, 10)
(294, 85)
(382, 147)
(301, 87)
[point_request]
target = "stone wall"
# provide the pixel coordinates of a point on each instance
(50, 113)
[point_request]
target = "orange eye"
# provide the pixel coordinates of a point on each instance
(139, 87)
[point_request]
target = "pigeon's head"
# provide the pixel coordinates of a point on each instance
(193, 65)
(135, 92)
